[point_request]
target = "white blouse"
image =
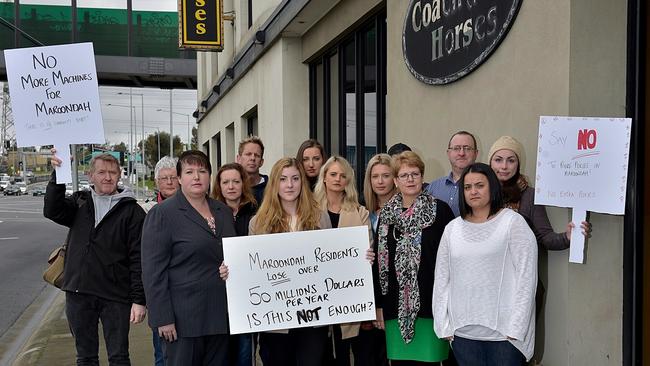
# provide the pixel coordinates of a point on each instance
(485, 281)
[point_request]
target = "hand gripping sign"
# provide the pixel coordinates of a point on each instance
(582, 163)
(300, 279)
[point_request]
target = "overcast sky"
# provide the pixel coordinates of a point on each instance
(117, 117)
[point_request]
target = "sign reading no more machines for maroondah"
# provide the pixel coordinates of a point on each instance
(55, 98)
(300, 279)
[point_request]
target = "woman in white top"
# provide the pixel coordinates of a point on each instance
(485, 277)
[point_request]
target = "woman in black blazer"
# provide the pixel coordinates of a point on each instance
(181, 253)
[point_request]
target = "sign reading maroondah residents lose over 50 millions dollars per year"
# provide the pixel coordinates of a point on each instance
(300, 279)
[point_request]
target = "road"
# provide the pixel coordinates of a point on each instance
(26, 240)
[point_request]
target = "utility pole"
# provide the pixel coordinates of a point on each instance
(6, 119)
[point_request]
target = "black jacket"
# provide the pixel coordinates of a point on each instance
(243, 217)
(105, 260)
(180, 263)
(258, 189)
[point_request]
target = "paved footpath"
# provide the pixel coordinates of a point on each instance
(52, 344)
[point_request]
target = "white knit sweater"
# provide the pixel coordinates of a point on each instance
(486, 276)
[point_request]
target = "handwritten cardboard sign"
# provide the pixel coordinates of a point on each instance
(55, 98)
(301, 279)
(582, 163)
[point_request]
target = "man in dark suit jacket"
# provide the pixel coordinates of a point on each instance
(181, 255)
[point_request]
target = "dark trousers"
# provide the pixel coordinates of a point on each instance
(240, 350)
(369, 348)
(301, 347)
(84, 312)
(337, 352)
(486, 353)
(209, 350)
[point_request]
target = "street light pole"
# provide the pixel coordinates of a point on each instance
(171, 126)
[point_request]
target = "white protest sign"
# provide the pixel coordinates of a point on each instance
(300, 279)
(54, 96)
(582, 163)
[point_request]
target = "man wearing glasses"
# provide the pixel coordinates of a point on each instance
(461, 152)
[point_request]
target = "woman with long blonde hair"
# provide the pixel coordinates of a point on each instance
(289, 206)
(338, 197)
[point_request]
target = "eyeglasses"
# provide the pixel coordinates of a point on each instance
(458, 148)
(405, 176)
(169, 179)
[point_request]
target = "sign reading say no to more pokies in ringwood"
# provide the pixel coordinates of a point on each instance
(582, 163)
(300, 279)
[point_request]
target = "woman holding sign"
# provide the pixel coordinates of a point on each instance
(230, 188)
(505, 157)
(289, 206)
(410, 227)
(338, 197)
(485, 277)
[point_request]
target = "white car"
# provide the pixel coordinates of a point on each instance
(84, 185)
(23, 187)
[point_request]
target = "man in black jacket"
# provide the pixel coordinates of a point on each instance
(102, 275)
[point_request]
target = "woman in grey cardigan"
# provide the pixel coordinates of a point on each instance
(504, 158)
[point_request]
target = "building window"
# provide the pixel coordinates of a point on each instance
(250, 123)
(250, 14)
(348, 95)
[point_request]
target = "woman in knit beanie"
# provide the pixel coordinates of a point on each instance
(505, 158)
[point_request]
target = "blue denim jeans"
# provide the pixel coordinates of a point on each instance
(469, 352)
(84, 312)
(158, 358)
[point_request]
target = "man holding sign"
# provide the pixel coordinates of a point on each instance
(102, 277)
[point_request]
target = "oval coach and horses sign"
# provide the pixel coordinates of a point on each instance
(444, 40)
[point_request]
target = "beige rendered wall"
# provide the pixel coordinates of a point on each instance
(554, 61)
(278, 85)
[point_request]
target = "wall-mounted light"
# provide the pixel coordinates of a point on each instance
(230, 72)
(204, 103)
(216, 88)
(195, 114)
(260, 36)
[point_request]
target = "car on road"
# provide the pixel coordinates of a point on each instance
(4, 182)
(38, 191)
(84, 185)
(23, 187)
(12, 190)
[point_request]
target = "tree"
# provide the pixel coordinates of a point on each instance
(121, 147)
(195, 138)
(151, 147)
